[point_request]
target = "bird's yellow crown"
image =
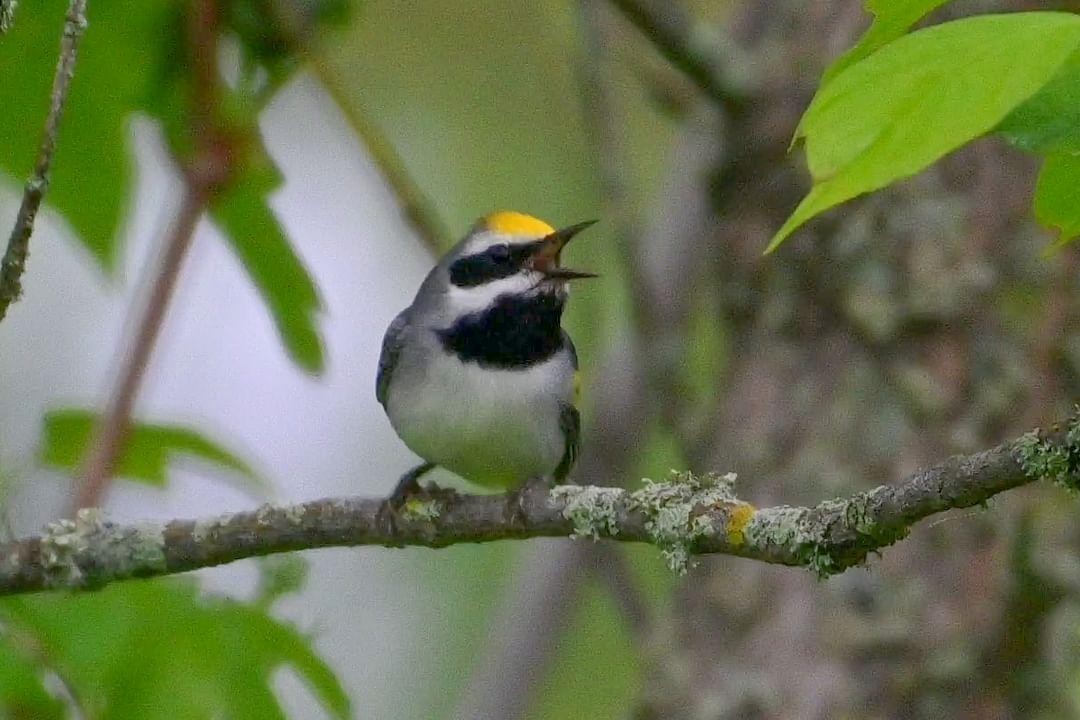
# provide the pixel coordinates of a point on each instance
(509, 222)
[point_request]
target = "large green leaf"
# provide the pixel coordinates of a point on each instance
(1057, 196)
(132, 59)
(892, 18)
(148, 448)
(1049, 122)
(895, 112)
(280, 276)
(159, 649)
(91, 176)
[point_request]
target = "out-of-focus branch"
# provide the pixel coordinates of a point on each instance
(205, 173)
(114, 425)
(414, 204)
(18, 247)
(668, 26)
(683, 516)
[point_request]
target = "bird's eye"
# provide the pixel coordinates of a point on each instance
(499, 253)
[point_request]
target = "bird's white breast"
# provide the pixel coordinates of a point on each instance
(494, 427)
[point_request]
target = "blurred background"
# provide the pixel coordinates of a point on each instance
(909, 325)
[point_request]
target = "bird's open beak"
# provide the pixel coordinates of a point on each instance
(546, 256)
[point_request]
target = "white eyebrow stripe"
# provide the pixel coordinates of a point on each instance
(462, 301)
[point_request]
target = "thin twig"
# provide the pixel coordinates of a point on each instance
(18, 247)
(669, 27)
(205, 173)
(415, 206)
(114, 424)
(680, 516)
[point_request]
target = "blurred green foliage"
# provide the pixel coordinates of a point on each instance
(1057, 195)
(135, 61)
(1049, 125)
(481, 101)
(259, 241)
(116, 66)
(148, 449)
(147, 650)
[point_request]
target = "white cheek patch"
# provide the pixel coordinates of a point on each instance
(462, 301)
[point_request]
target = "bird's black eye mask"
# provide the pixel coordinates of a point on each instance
(494, 263)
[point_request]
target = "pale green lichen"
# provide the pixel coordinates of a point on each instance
(1059, 463)
(421, 510)
(61, 544)
(7, 14)
(204, 530)
(802, 534)
(669, 508)
(90, 550)
(785, 527)
(591, 509)
(267, 513)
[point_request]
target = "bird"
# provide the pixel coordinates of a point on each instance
(477, 375)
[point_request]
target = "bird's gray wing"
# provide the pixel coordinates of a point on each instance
(391, 349)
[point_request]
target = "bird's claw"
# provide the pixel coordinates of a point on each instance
(408, 487)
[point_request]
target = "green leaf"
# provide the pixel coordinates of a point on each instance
(159, 649)
(245, 219)
(279, 575)
(148, 449)
(280, 276)
(897, 111)
(892, 18)
(1049, 122)
(132, 59)
(92, 169)
(1057, 196)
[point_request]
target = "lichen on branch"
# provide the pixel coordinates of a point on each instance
(684, 515)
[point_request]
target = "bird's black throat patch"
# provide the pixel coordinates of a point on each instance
(515, 332)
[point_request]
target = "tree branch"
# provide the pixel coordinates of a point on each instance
(415, 206)
(669, 27)
(109, 436)
(18, 247)
(205, 173)
(683, 516)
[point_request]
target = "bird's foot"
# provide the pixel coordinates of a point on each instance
(516, 500)
(408, 486)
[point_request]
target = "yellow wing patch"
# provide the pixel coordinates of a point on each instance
(509, 222)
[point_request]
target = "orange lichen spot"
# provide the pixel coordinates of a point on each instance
(509, 222)
(737, 522)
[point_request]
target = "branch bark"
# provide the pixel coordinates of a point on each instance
(683, 516)
(18, 247)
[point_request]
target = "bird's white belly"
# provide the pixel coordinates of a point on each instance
(493, 427)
